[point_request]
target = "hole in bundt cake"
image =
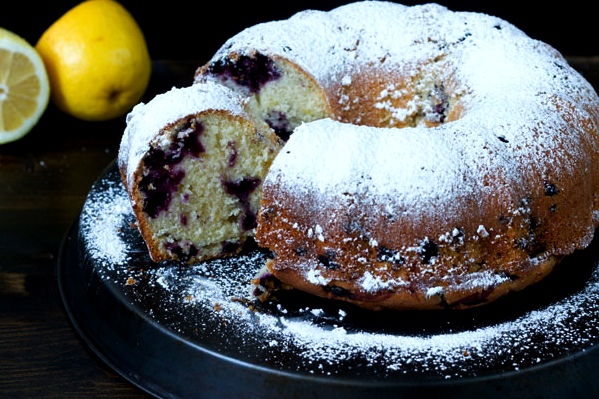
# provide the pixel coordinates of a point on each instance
(423, 99)
(282, 97)
(439, 104)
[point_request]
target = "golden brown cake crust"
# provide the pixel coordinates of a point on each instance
(356, 252)
(507, 190)
(464, 298)
(469, 269)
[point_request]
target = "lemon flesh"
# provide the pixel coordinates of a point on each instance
(24, 87)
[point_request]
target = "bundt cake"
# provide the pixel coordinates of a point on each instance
(490, 181)
(193, 164)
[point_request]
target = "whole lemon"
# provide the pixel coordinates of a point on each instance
(97, 60)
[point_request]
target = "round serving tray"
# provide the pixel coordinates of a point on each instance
(180, 331)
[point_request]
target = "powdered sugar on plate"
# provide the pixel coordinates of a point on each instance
(101, 220)
(299, 333)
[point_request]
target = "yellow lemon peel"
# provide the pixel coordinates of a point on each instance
(97, 60)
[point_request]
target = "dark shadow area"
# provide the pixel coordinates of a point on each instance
(195, 30)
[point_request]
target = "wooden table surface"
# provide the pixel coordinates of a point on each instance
(44, 179)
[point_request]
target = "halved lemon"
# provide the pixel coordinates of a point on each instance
(24, 88)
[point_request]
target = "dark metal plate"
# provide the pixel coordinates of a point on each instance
(194, 331)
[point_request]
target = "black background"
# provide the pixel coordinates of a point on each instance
(194, 30)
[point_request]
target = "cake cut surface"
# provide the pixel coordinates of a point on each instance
(197, 182)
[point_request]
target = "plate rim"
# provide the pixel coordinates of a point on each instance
(70, 241)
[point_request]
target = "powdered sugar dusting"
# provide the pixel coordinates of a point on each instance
(146, 121)
(371, 283)
(102, 221)
(358, 162)
(317, 337)
(506, 82)
(315, 277)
